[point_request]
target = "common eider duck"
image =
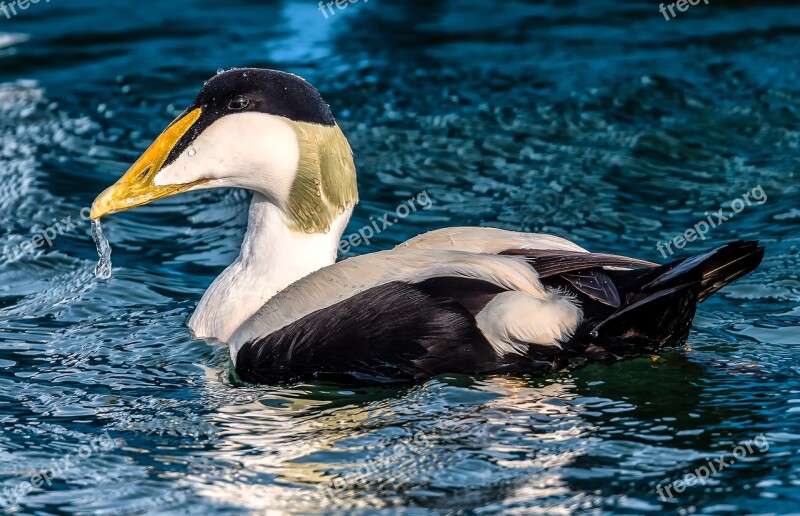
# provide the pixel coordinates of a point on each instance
(468, 300)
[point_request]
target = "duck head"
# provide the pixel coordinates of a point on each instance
(262, 130)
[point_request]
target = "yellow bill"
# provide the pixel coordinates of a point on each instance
(136, 187)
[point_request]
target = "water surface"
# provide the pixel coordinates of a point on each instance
(599, 122)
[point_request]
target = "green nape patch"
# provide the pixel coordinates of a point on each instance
(325, 185)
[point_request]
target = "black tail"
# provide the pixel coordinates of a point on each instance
(658, 304)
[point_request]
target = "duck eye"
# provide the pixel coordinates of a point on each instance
(239, 102)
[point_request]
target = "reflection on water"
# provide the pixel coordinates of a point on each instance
(605, 124)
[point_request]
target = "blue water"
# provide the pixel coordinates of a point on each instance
(598, 121)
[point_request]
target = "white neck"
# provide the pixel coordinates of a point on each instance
(272, 257)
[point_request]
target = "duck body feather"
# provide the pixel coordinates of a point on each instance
(475, 301)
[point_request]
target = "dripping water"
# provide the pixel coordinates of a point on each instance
(103, 268)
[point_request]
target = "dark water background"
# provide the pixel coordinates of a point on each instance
(597, 121)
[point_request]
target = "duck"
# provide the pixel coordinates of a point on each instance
(460, 300)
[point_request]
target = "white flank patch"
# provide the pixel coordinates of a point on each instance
(514, 320)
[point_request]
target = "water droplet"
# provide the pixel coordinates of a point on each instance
(348, 205)
(219, 71)
(341, 209)
(593, 334)
(103, 268)
(244, 74)
(316, 181)
(319, 193)
(191, 152)
(327, 228)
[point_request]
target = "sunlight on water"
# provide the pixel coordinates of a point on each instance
(600, 122)
(103, 268)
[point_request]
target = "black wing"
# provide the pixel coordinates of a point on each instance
(396, 331)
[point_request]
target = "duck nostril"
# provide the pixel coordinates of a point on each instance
(144, 173)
